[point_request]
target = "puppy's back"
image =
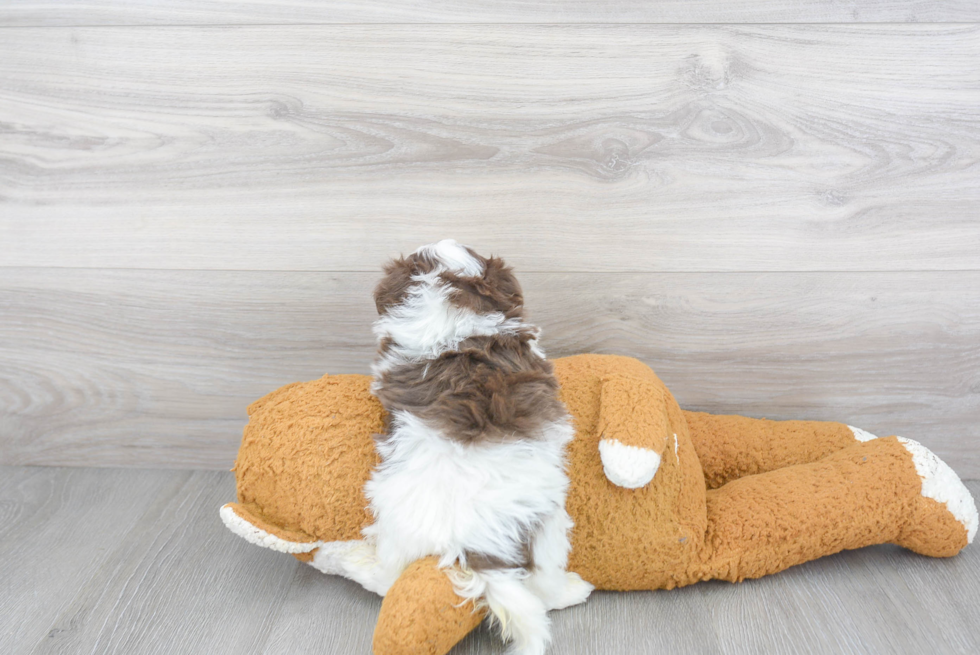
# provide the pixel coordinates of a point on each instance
(492, 388)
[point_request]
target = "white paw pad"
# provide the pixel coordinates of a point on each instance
(627, 466)
(941, 483)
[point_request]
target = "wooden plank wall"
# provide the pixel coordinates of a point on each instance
(774, 204)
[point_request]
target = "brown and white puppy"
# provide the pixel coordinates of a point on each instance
(472, 464)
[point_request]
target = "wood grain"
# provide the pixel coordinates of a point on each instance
(174, 583)
(155, 368)
(571, 148)
(849, 603)
(334, 616)
(58, 528)
(151, 12)
(113, 561)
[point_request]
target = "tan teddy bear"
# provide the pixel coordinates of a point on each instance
(660, 497)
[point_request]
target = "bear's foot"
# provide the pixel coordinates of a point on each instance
(944, 516)
(861, 435)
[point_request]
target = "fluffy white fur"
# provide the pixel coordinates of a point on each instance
(433, 495)
(356, 560)
(628, 466)
(454, 257)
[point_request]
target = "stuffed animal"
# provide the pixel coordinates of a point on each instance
(661, 497)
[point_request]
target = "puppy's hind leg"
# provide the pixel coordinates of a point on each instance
(549, 580)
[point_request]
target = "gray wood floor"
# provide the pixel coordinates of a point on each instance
(137, 561)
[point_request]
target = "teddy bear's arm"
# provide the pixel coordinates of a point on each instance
(421, 613)
(633, 430)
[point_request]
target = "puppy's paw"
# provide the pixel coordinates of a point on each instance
(576, 591)
(628, 466)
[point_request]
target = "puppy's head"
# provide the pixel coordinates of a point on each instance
(480, 284)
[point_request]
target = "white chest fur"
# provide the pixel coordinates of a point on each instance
(435, 496)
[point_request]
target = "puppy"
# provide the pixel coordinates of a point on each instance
(472, 462)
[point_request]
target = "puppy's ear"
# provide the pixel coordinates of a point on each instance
(502, 286)
(497, 290)
(393, 287)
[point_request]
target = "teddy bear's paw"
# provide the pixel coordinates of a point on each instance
(627, 466)
(575, 591)
(236, 519)
(945, 517)
(861, 435)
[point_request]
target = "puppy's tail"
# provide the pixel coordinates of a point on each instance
(521, 615)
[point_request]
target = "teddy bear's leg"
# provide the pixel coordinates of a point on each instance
(422, 615)
(731, 447)
(888, 490)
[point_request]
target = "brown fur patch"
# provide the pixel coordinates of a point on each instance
(397, 280)
(483, 561)
(493, 387)
(384, 345)
(497, 290)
